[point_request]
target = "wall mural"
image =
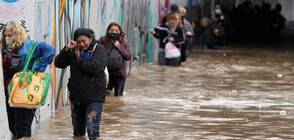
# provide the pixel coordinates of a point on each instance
(135, 24)
(55, 21)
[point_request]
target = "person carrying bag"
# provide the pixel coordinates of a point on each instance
(15, 39)
(28, 89)
(171, 37)
(171, 51)
(118, 53)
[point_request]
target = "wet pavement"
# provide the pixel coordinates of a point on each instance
(237, 92)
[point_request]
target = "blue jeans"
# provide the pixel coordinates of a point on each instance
(205, 47)
(86, 116)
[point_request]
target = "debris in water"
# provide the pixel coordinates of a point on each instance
(280, 75)
(191, 107)
(283, 113)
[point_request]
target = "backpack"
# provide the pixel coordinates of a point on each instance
(105, 69)
(114, 59)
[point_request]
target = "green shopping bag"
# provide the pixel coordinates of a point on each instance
(28, 89)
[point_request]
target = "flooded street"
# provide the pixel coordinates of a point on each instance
(237, 92)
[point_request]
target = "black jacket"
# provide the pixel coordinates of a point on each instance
(163, 31)
(207, 35)
(87, 83)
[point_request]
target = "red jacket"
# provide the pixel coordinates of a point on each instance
(124, 49)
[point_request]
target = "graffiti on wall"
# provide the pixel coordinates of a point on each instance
(71, 14)
(17, 11)
(76, 13)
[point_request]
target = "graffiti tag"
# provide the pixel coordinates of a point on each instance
(22, 23)
(1, 26)
(11, 11)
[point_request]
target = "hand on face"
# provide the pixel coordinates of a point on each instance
(77, 52)
(116, 43)
(71, 44)
(83, 42)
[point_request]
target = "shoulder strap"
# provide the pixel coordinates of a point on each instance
(28, 59)
(94, 47)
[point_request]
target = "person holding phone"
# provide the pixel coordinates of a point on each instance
(87, 83)
(115, 39)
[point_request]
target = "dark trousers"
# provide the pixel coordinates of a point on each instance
(118, 83)
(165, 61)
(20, 121)
(205, 47)
(183, 53)
(86, 116)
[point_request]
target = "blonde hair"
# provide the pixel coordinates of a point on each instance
(205, 20)
(179, 18)
(19, 36)
(182, 9)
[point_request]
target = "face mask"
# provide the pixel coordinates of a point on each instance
(7, 40)
(114, 36)
(217, 11)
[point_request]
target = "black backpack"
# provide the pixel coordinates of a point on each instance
(114, 59)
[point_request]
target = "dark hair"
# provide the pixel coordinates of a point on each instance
(174, 8)
(84, 32)
(107, 39)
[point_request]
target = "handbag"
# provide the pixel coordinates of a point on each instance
(10, 60)
(105, 69)
(28, 89)
(171, 51)
(114, 59)
(10, 64)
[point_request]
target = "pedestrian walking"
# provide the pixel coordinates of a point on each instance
(167, 33)
(189, 33)
(118, 52)
(86, 85)
(16, 41)
(210, 31)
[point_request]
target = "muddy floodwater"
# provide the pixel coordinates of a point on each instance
(237, 92)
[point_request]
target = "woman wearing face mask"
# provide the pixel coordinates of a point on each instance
(15, 40)
(169, 32)
(87, 84)
(115, 39)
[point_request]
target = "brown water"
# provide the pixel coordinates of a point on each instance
(232, 93)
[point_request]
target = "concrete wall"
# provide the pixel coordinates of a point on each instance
(54, 21)
(4, 131)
